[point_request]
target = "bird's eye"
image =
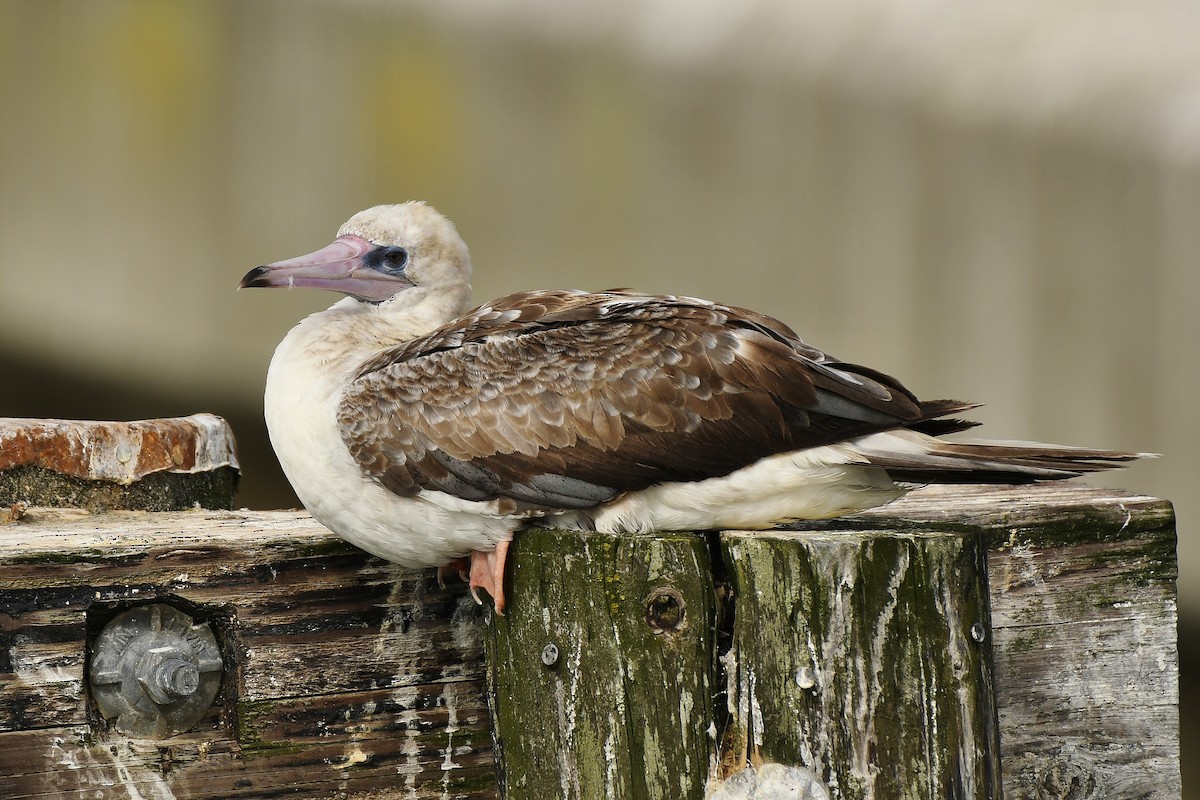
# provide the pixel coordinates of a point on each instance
(395, 257)
(391, 260)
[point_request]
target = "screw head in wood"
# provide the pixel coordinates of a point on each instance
(550, 654)
(978, 632)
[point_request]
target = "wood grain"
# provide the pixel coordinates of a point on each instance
(344, 675)
(863, 657)
(350, 677)
(625, 708)
(1083, 599)
(1081, 589)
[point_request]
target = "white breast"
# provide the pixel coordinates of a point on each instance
(304, 385)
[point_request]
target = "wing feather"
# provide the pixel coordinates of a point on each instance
(567, 399)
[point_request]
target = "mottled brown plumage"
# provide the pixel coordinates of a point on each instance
(571, 398)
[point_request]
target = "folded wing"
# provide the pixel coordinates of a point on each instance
(567, 399)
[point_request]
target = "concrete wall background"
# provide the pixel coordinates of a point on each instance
(996, 201)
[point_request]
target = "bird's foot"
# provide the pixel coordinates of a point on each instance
(487, 573)
(459, 565)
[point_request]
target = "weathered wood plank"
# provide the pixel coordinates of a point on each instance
(1082, 594)
(1081, 588)
(863, 656)
(345, 675)
(363, 755)
(623, 709)
(1082, 584)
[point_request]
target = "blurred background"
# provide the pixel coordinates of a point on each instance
(993, 201)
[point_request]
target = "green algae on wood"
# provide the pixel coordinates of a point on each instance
(160, 491)
(376, 674)
(601, 672)
(863, 656)
(251, 715)
(1083, 600)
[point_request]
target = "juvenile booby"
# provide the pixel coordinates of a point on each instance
(428, 434)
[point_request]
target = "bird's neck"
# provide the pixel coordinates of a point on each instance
(318, 357)
(329, 346)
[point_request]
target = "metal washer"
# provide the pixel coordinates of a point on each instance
(154, 672)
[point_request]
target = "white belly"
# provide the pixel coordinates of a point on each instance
(411, 531)
(820, 483)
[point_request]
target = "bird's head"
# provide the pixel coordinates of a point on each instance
(380, 254)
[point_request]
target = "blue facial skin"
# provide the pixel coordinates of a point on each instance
(388, 260)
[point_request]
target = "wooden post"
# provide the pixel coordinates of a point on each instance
(958, 643)
(861, 656)
(601, 674)
(864, 656)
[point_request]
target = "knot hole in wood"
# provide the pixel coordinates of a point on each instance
(665, 609)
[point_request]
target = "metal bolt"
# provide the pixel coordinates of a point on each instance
(550, 654)
(154, 672)
(806, 678)
(167, 675)
(978, 632)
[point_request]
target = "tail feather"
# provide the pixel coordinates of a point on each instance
(914, 456)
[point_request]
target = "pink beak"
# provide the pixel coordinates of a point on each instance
(339, 267)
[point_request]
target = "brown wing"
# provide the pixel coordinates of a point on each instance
(568, 399)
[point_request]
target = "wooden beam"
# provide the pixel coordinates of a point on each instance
(348, 676)
(344, 675)
(1081, 588)
(149, 465)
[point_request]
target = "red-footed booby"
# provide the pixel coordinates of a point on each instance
(428, 434)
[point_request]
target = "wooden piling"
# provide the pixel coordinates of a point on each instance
(864, 656)
(960, 643)
(601, 675)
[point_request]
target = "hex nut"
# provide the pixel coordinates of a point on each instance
(154, 672)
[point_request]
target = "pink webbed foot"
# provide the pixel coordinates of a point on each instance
(487, 573)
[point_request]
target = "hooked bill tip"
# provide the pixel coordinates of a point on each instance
(254, 278)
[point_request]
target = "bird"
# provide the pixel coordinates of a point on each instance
(428, 433)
